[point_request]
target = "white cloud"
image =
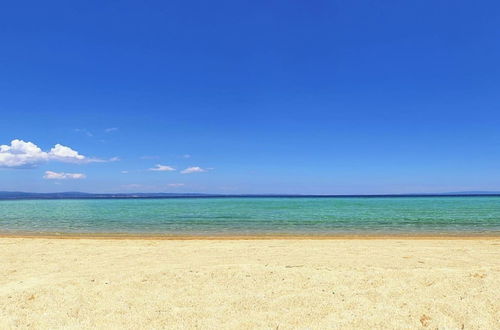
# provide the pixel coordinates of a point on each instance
(186, 156)
(162, 168)
(84, 131)
(193, 169)
(65, 154)
(175, 185)
(62, 175)
(21, 154)
(111, 129)
(124, 172)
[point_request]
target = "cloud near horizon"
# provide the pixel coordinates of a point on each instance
(162, 168)
(49, 175)
(193, 169)
(21, 154)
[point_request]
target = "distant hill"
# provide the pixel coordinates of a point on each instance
(474, 193)
(80, 195)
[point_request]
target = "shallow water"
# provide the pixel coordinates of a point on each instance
(241, 216)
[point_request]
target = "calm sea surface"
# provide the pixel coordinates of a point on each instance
(207, 216)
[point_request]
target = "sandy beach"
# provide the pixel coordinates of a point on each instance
(269, 284)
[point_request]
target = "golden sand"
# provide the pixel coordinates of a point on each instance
(269, 284)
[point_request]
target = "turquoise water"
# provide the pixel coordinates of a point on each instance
(207, 216)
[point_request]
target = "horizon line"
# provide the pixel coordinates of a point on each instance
(11, 195)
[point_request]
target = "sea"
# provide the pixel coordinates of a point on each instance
(308, 216)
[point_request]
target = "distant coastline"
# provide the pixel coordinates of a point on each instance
(12, 195)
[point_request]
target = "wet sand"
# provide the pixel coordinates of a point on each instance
(274, 283)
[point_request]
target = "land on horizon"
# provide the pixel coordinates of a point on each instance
(82, 195)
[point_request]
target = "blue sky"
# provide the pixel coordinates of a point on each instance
(316, 97)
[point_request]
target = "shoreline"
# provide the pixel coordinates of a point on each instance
(180, 237)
